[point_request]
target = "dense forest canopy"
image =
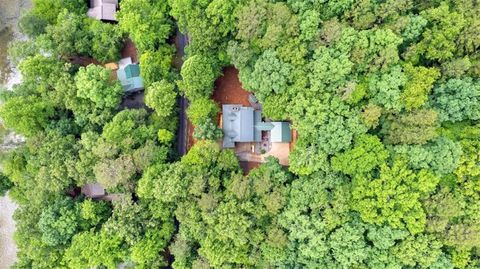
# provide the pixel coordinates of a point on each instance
(384, 95)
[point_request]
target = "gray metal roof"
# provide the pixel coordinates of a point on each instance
(281, 132)
(244, 124)
(103, 9)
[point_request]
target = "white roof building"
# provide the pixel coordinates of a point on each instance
(103, 9)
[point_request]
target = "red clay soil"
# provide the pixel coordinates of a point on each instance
(294, 139)
(129, 50)
(82, 60)
(248, 166)
(229, 90)
(190, 140)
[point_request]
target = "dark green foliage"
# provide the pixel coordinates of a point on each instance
(59, 222)
(207, 130)
(457, 100)
(5, 184)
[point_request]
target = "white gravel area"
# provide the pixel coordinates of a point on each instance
(8, 249)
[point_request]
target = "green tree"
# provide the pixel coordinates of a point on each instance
(456, 100)
(95, 85)
(198, 76)
(161, 96)
(201, 109)
(419, 84)
(146, 21)
(368, 152)
(27, 115)
(385, 89)
(438, 41)
(69, 37)
(394, 196)
(5, 184)
(416, 127)
(59, 222)
(106, 41)
(90, 249)
(270, 76)
(156, 65)
(440, 155)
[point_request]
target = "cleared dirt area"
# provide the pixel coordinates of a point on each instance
(229, 90)
(129, 50)
(8, 249)
(248, 166)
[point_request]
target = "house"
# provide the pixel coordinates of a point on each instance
(104, 10)
(128, 74)
(244, 124)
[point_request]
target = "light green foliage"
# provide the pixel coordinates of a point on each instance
(375, 50)
(384, 172)
(313, 213)
(165, 136)
(368, 152)
(26, 115)
(146, 22)
(106, 41)
(393, 197)
(328, 123)
(419, 84)
(329, 70)
(94, 212)
(229, 229)
(416, 127)
(198, 76)
(306, 158)
(202, 109)
(161, 97)
(269, 76)
(456, 100)
(207, 130)
(438, 41)
(155, 65)
(371, 115)
(69, 37)
(95, 249)
(141, 230)
(94, 84)
(421, 250)
(49, 9)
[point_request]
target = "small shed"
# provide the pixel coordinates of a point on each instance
(93, 190)
(104, 10)
(281, 132)
(129, 76)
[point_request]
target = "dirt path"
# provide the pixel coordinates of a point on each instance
(8, 249)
